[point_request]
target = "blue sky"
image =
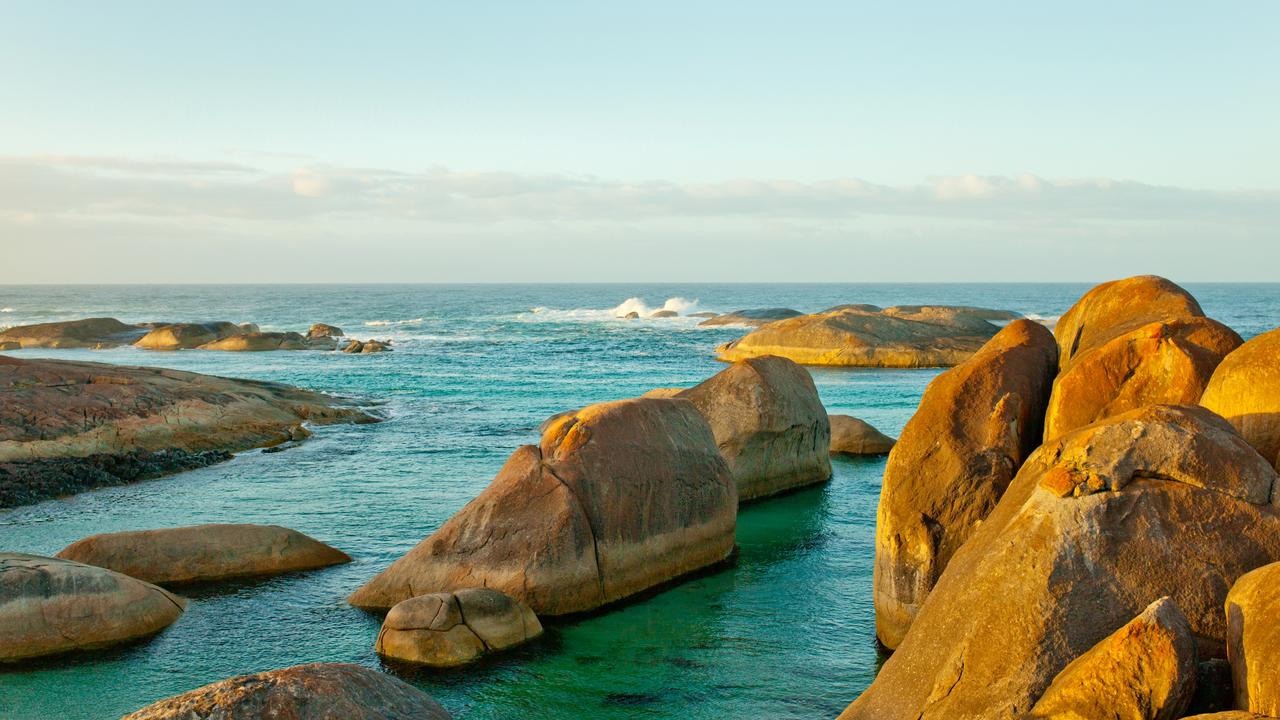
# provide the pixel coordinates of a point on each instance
(491, 141)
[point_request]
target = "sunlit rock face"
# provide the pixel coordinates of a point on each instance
(1253, 640)
(1245, 389)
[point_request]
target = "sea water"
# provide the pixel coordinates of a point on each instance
(786, 632)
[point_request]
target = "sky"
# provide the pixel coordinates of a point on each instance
(629, 142)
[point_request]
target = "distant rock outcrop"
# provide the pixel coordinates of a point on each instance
(323, 330)
(452, 629)
(90, 333)
(259, 342)
(186, 336)
(618, 498)
(866, 336)
(751, 318)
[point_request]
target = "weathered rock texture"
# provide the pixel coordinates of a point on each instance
(1164, 362)
(51, 410)
(202, 553)
(852, 436)
(975, 425)
(1245, 389)
(752, 318)
(1146, 670)
(769, 424)
(185, 336)
(259, 342)
(451, 629)
(1253, 640)
(866, 336)
(89, 333)
(50, 606)
(1115, 308)
(320, 691)
(1161, 501)
(619, 497)
(324, 330)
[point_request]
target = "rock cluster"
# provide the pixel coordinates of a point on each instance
(449, 629)
(221, 335)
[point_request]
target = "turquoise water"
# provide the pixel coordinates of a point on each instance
(787, 632)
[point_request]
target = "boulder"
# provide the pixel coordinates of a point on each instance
(1160, 501)
(202, 553)
(1245, 389)
(769, 424)
(90, 333)
(657, 393)
(618, 498)
(58, 413)
(259, 342)
(322, 330)
(50, 606)
(355, 346)
(852, 436)
(1118, 307)
(1146, 670)
(375, 346)
(975, 425)
(664, 314)
(633, 315)
(10, 345)
(452, 629)
(1253, 640)
(186, 336)
(320, 691)
(1164, 362)
(751, 318)
(249, 327)
(854, 336)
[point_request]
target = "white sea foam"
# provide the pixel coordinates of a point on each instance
(1046, 320)
(681, 306)
(7, 310)
(385, 323)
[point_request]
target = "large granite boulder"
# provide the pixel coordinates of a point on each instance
(320, 691)
(752, 318)
(57, 413)
(976, 424)
(452, 629)
(323, 330)
(50, 606)
(1253, 640)
(855, 336)
(186, 336)
(1146, 670)
(1118, 307)
(89, 333)
(1245, 389)
(853, 436)
(769, 424)
(202, 553)
(1164, 362)
(618, 498)
(259, 342)
(1160, 501)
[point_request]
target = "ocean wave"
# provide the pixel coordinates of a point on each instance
(385, 323)
(1047, 320)
(681, 306)
(7, 310)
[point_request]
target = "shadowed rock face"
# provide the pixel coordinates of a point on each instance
(50, 606)
(203, 553)
(769, 424)
(56, 409)
(851, 436)
(320, 691)
(1253, 640)
(1146, 670)
(185, 336)
(1115, 308)
(1245, 389)
(93, 332)
(1161, 501)
(975, 425)
(619, 497)
(865, 336)
(452, 629)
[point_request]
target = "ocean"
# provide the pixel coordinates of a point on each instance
(786, 632)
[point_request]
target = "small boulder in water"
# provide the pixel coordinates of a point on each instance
(633, 315)
(852, 436)
(449, 629)
(665, 314)
(322, 330)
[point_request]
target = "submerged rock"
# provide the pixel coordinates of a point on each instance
(451, 629)
(187, 336)
(1245, 389)
(852, 436)
(1146, 670)
(976, 424)
(769, 424)
(1253, 640)
(89, 333)
(63, 410)
(202, 553)
(50, 606)
(320, 691)
(854, 336)
(1160, 501)
(750, 318)
(618, 498)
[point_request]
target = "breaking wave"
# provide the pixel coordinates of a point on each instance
(681, 306)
